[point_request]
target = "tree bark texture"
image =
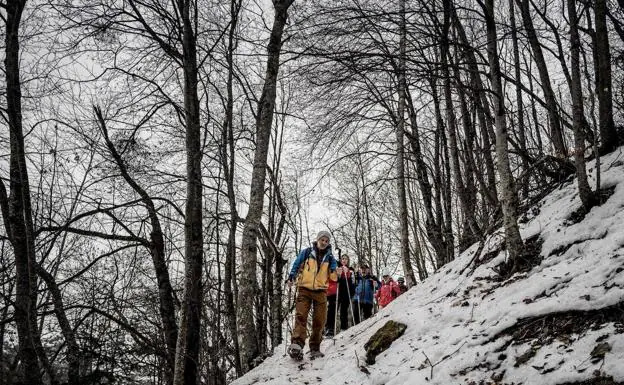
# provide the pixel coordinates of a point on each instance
(608, 135)
(189, 331)
(400, 162)
(228, 164)
(519, 101)
(248, 288)
(472, 231)
(509, 198)
(483, 114)
(156, 248)
(576, 93)
(432, 226)
(73, 350)
(17, 211)
(556, 133)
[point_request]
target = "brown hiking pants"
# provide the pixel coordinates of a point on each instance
(306, 298)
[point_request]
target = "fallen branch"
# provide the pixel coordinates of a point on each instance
(441, 359)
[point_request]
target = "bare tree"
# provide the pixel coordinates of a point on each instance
(556, 132)
(509, 198)
(16, 206)
(228, 164)
(189, 330)
(602, 56)
(400, 162)
(578, 115)
(264, 119)
(156, 247)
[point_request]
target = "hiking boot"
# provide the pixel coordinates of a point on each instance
(316, 354)
(295, 352)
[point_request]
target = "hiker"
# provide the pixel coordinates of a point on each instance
(388, 291)
(346, 290)
(312, 268)
(330, 324)
(402, 287)
(363, 300)
(341, 290)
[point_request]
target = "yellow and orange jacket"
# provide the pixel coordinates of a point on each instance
(312, 274)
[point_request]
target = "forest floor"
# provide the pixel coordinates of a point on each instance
(560, 320)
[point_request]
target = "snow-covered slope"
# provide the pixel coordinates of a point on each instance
(561, 322)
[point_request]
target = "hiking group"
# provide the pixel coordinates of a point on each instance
(328, 287)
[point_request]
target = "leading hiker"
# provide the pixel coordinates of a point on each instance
(312, 268)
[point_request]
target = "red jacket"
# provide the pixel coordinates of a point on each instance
(387, 292)
(331, 289)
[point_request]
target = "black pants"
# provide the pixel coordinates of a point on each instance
(331, 313)
(343, 304)
(344, 313)
(366, 309)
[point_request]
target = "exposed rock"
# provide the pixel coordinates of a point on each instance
(600, 350)
(382, 339)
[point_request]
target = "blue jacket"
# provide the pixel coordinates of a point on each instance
(364, 291)
(314, 271)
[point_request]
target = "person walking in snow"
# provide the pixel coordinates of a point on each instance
(364, 298)
(312, 270)
(330, 324)
(342, 290)
(388, 291)
(402, 286)
(346, 290)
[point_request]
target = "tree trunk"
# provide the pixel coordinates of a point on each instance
(442, 256)
(400, 162)
(368, 250)
(470, 190)
(420, 262)
(556, 133)
(228, 164)
(538, 134)
(264, 118)
(578, 118)
(509, 199)
(602, 56)
(277, 222)
(189, 331)
(521, 130)
(156, 248)
(17, 211)
(73, 351)
(471, 232)
(432, 226)
(483, 113)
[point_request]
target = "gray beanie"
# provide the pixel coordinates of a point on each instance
(322, 234)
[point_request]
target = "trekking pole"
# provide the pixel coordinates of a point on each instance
(288, 327)
(360, 308)
(336, 310)
(350, 305)
(291, 328)
(337, 294)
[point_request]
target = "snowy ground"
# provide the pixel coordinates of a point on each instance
(454, 318)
